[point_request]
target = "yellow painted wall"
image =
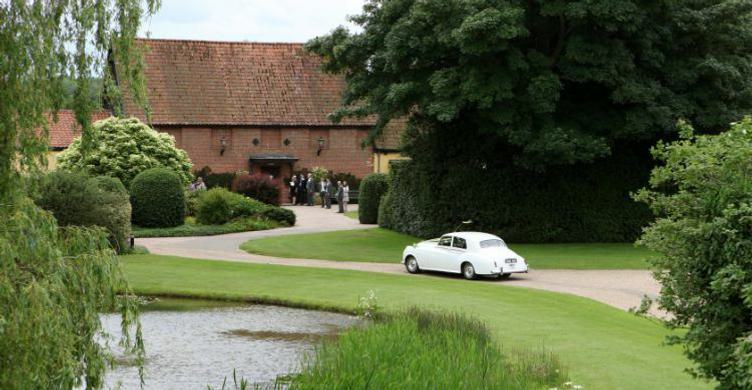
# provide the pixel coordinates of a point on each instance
(381, 161)
(52, 159)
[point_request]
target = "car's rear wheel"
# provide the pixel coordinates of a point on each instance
(468, 271)
(411, 264)
(504, 276)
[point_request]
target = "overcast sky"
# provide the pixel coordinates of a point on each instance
(250, 20)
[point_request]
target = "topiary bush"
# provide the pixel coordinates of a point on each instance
(215, 206)
(76, 199)
(372, 188)
(702, 198)
(385, 210)
(257, 186)
(158, 198)
(123, 148)
(280, 215)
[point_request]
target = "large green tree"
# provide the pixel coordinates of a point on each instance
(54, 281)
(558, 82)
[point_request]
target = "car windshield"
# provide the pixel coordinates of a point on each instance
(495, 243)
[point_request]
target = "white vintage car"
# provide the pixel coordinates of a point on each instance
(470, 253)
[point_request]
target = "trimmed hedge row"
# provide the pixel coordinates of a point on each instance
(158, 198)
(76, 199)
(372, 188)
(580, 203)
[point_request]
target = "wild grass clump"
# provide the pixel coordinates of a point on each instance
(421, 349)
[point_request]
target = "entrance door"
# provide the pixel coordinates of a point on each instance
(271, 170)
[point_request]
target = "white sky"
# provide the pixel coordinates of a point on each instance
(249, 20)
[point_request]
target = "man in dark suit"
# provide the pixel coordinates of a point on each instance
(329, 193)
(340, 196)
(310, 188)
(302, 190)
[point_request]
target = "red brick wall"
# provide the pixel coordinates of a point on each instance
(341, 152)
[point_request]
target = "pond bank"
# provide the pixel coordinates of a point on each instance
(192, 344)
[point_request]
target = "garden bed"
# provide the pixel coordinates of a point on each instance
(191, 228)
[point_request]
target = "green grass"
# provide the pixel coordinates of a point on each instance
(419, 349)
(352, 214)
(601, 347)
(191, 228)
(385, 246)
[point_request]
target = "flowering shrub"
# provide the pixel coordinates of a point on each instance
(259, 186)
(123, 148)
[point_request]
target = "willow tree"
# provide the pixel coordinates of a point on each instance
(55, 281)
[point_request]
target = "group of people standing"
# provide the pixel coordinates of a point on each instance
(303, 190)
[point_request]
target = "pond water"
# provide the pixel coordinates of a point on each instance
(192, 344)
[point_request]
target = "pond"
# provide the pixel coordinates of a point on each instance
(191, 344)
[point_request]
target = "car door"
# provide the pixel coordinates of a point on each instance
(442, 253)
(454, 258)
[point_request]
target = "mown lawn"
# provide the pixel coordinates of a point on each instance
(601, 347)
(385, 246)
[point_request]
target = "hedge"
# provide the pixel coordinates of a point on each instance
(372, 188)
(579, 203)
(218, 206)
(76, 199)
(158, 198)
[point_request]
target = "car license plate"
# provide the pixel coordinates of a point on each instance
(510, 261)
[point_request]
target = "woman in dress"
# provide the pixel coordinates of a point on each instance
(345, 195)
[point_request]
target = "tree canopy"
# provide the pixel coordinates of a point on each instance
(557, 81)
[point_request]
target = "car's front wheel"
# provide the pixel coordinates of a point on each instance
(468, 271)
(411, 264)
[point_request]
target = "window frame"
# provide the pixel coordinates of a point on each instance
(451, 239)
(464, 242)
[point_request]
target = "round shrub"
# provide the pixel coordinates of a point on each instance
(158, 198)
(215, 206)
(280, 215)
(76, 199)
(258, 186)
(123, 148)
(372, 188)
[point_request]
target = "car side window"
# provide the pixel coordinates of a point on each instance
(445, 241)
(459, 243)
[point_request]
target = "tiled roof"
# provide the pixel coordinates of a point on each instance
(66, 128)
(238, 83)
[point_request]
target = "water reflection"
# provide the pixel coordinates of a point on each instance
(189, 349)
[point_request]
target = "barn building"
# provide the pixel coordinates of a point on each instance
(257, 107)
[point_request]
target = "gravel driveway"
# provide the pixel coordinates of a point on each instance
(623, 289)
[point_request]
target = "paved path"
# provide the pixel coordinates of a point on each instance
(619, 288)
